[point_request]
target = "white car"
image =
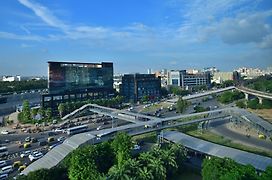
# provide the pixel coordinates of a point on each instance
(5, 132)
(3, 176)
(6, 169)
(33, 153)
(25, 154)
(62, 138)
(35, 156)
(98, 128)
(136, 147)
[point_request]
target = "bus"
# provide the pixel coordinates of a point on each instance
(77, 129)
(3, 151)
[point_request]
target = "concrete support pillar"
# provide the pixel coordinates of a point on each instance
(246, 96)
(260, 100)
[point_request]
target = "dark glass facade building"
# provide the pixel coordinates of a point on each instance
(135, 86)
(71, 81)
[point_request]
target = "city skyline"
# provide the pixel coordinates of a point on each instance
(135, 36)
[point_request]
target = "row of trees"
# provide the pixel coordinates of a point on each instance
(228, 97)
(18, 86)
(28, 115)
(254, 104)
(225, 169)
(66, 108)
(115, 161)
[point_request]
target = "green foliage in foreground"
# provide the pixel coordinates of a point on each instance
(101, 162)
(224, 169)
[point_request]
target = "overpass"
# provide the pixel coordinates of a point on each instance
(259, 94)
(198, 95)
(57, 154)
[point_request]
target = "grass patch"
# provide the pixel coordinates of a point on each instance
(148, 137)
(209, 136)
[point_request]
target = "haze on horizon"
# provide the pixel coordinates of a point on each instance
(135, 35)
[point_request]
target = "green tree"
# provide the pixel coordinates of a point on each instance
(122, 146)
(26, 111)
(34, 112)
(48, 113)
(180, 154)
(41, 112)
(157, 168)
(181, 105)
(267, 174)
(61, 109)
(118, 173)
(241, 104)
(144, 174)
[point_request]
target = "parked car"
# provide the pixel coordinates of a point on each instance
(25, 154)
(6, 169)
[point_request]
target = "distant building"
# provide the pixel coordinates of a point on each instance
(210, 70)
(117, 81)
(163, 76)
(220, 77)
(149, 71)
(250, 73)
(193, 71)
(11, 78)
(186, 80)
(136, 86)
(75, 81)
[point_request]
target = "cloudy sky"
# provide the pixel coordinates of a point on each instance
(135, 34)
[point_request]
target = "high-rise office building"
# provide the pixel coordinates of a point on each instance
(71, 81)
(136, 86)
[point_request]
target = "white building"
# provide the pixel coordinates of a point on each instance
(11, 78)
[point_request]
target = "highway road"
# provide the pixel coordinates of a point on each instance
(219, 127)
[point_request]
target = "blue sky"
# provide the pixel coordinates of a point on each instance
(135, 34)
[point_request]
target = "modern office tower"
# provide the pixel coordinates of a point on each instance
(76, 81)
(137, 86)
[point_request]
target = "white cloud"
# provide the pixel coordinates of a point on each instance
(45, 14)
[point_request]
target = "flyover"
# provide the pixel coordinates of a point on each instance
(198, 95)
(57, 154)
(259, 94)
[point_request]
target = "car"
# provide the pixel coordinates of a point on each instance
(21, 168)
(3, 176)
(6, 169)
(25, 154)
(62, 138)
(27, 145)
(5, 132)
(17, 164)
(50, 139)
(98, 128)
(34, 140)
(42, 143)
(3, 163)
(58, 130)
(136, 147)
(36, 156)
(28, 139)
